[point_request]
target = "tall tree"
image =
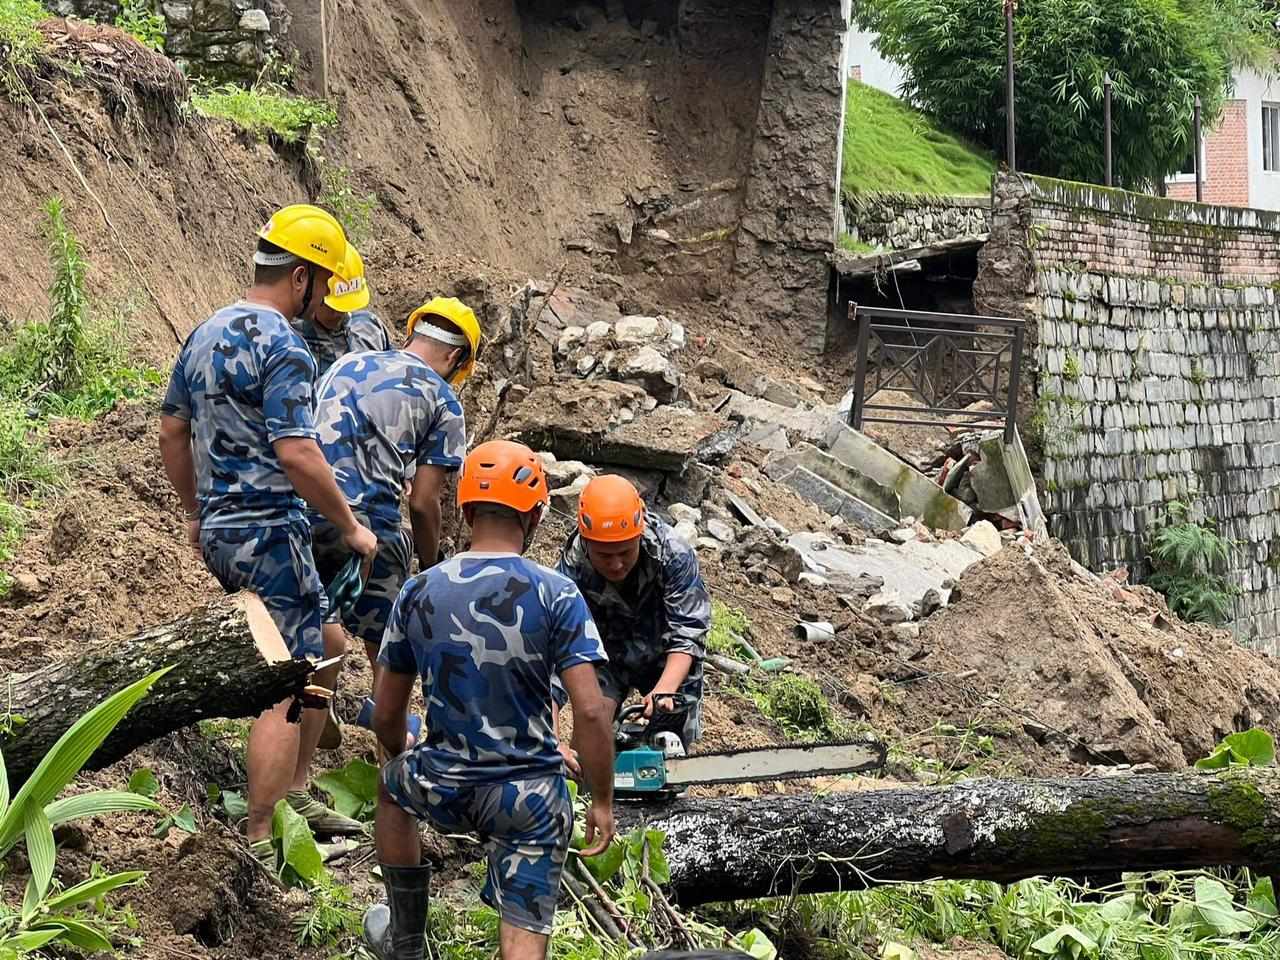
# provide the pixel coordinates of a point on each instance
(1161, 54)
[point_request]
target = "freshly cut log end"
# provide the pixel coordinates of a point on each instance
(227, 659)
(1002, 830)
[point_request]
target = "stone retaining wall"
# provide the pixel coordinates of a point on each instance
(1156, 357)
(901, 222)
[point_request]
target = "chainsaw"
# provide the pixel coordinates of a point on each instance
(650, 760)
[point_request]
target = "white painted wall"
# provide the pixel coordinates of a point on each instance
(1256, 89)
(876, 70)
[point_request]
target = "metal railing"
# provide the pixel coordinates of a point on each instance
(947, 360)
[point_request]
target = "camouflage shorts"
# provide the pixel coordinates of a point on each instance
(525, 826)
(617, 686)
(368, 619)
(276, 564)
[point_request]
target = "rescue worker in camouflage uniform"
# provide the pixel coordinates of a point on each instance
(239, 446)
(487, 630)
(340, 323)
(646, 594)
(384, 419)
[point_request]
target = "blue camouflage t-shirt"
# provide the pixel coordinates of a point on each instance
(361, 330)
(244, 380)
(380, 416)
(486, 632)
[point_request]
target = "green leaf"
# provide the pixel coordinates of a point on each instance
(68, 755)
(235, 805)
(143, 782)
(4, 786)
(1253, 747)
(297, 845)
(1117, 909)
(897, 951)
(353, 789)
(1217, 910)
(605, 865)
(86, 936)
(41, 849)
(1218, 760)
(185, 818)
(97, 804)
(94, 888)
(757, 945)
(30, 941)
(1049, 944)
(1262, 899)
(659, 869)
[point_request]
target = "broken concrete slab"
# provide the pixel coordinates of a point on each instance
(888, 606)
(918, 495)
(1003, 482)
(983, 537)
(768, 436)
(912, 569)
(744, 511)
(649, 369)
(830, 498)
(683, 513)
(811, 425)
(882, 498)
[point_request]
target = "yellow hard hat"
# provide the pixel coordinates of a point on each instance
(348, 288)
(309, 233)
(461, 316)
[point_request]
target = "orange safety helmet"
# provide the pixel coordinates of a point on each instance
(506, 473)
(610, 510)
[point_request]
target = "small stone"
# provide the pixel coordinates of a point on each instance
(983, 537)
(888, 607)
(906, 631)
(649, 404)
(777, 528)
(570, 337)
(585, 365)
(931, 600)
(902, 535)
(835, 522)
(676, 336)
(27, 586)
(813, 580)
(687, 532)
(626, 415)
(571, 115)
(784, 596)
(637, 330)
(721, 531)
(598, 331)
(653, 371)
(255, 21)
(680, 512)
(709, 368)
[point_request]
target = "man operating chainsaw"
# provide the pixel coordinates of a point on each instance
(647, 597)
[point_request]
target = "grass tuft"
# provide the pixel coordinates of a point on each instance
(891, 148)
(265, 109)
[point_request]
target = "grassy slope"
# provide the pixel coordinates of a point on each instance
(891, 148)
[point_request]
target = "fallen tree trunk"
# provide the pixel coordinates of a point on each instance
(1003, 830)
(228, 660)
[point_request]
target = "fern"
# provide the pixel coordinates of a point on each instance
(1186, 556)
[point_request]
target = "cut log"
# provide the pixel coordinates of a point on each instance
(1002, 830)
(228, 660)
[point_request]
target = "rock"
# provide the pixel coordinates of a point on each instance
(638, 330)
(813, 580)
(27, 586)
(687, 531)
(710, 543)
(769, 436)
(651, 370)
(708, 368)
(585, 365)
(931, 600)
(566, 498)
(570, 337)
(721, 531)
(901, 535)
(255, 21)
(777, 528)
(650, 403)
(743, 510)
(690, 486)
(905, 631)
(599, 331)
(681, 512)
(983, 537)
(783, 596)
(888, 607)
(676, 336)
(780, 394)
(571, 115)
(561, 473)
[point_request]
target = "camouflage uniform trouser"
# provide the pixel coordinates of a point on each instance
(617, 686)
(368, 619)
(525, 826)
(276, 564)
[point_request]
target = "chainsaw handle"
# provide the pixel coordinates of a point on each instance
(680, 702)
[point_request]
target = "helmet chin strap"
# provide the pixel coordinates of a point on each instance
(311, 280)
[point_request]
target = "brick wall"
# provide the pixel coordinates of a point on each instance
(1155, 361)
(1226, 161)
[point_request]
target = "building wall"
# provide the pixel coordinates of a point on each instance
(1255, 90)
(1226, 162)
(873, 69)
(902, 222)
(1155, 363)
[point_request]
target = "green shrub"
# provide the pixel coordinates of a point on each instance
(265, 109)
(1185, 555)
(20, 41)
(798, 705)
(728, 627)
(140, 20)
(353, 210)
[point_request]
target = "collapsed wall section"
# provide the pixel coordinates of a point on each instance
(1154, 342)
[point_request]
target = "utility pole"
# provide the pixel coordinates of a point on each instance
(1008, 106)
(1106, 123)
(1195, 156)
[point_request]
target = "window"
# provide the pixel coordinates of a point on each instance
(1271, 137)
(1187, 172)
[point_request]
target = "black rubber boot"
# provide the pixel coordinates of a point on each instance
(397, 930)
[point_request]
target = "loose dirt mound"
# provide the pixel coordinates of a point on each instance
(1088, 669)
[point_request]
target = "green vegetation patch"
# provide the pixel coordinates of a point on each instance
(891, 148)
(265, 109)
(20, 40)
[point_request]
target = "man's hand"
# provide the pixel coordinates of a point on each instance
(571, 760)
(663, 699)
(599, 829)
(362, 541)
(193, 537)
